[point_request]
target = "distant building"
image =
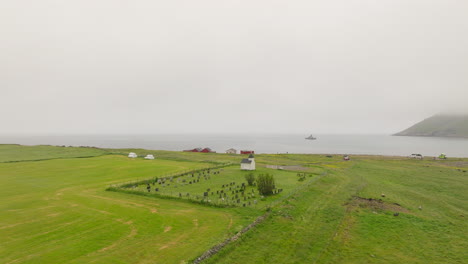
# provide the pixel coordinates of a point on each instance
(193, 150)
(247, 152)
(208, 150)
(132, 155)
(249, 163)
(203, 150)
(149, 156)
(231, 151)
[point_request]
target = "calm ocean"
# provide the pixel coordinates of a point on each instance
(268, 143)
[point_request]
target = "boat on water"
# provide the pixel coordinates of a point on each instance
(311, 137)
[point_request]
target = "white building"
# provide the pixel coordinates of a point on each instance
(132, 155)
(149, 156)
(231, 151)
(248, 164)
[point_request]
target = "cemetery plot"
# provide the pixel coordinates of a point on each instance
(221, 186)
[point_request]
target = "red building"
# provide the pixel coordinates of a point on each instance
(205, 150)
(193, 150)
(247, 152)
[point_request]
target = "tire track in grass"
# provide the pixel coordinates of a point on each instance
(133, 233)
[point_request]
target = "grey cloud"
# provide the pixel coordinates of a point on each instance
(223, 66)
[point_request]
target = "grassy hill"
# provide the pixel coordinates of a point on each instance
(439, 126)
(58, 210)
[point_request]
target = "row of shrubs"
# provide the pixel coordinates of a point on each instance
(155, 179)
(169, 197)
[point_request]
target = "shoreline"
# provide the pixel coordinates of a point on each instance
(363, 155)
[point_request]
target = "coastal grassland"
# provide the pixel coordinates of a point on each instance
(57, 211)
(333, 220)
(15, 153)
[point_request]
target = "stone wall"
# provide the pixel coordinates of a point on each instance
(215, 249)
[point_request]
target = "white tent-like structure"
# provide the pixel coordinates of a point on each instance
(149, 156)
(132, 155)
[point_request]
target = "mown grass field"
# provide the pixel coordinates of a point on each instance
(325, 224)
(15, 153)
(55, 210)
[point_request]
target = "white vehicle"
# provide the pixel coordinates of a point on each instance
(416, 156)
(149, 156)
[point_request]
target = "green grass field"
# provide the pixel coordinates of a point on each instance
(57, 211)
(15, 153)
(54, 209)
(325, 224)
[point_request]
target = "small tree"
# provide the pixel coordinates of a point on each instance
(250, 178)
(265, 184)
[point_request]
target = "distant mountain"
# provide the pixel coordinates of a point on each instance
(439, 126)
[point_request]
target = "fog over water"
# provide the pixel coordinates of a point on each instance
(210, 66)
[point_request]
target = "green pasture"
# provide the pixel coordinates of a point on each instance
(15, 153)
(57, 211)
(371, 209)
(325, 224)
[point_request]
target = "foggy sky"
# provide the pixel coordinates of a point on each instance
(141, 66)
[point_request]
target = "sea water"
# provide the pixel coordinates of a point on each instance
(261, 143)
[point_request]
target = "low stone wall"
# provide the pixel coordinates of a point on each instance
(289, 167)
(215, 249)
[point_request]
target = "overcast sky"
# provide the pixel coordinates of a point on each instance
(145, 66)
